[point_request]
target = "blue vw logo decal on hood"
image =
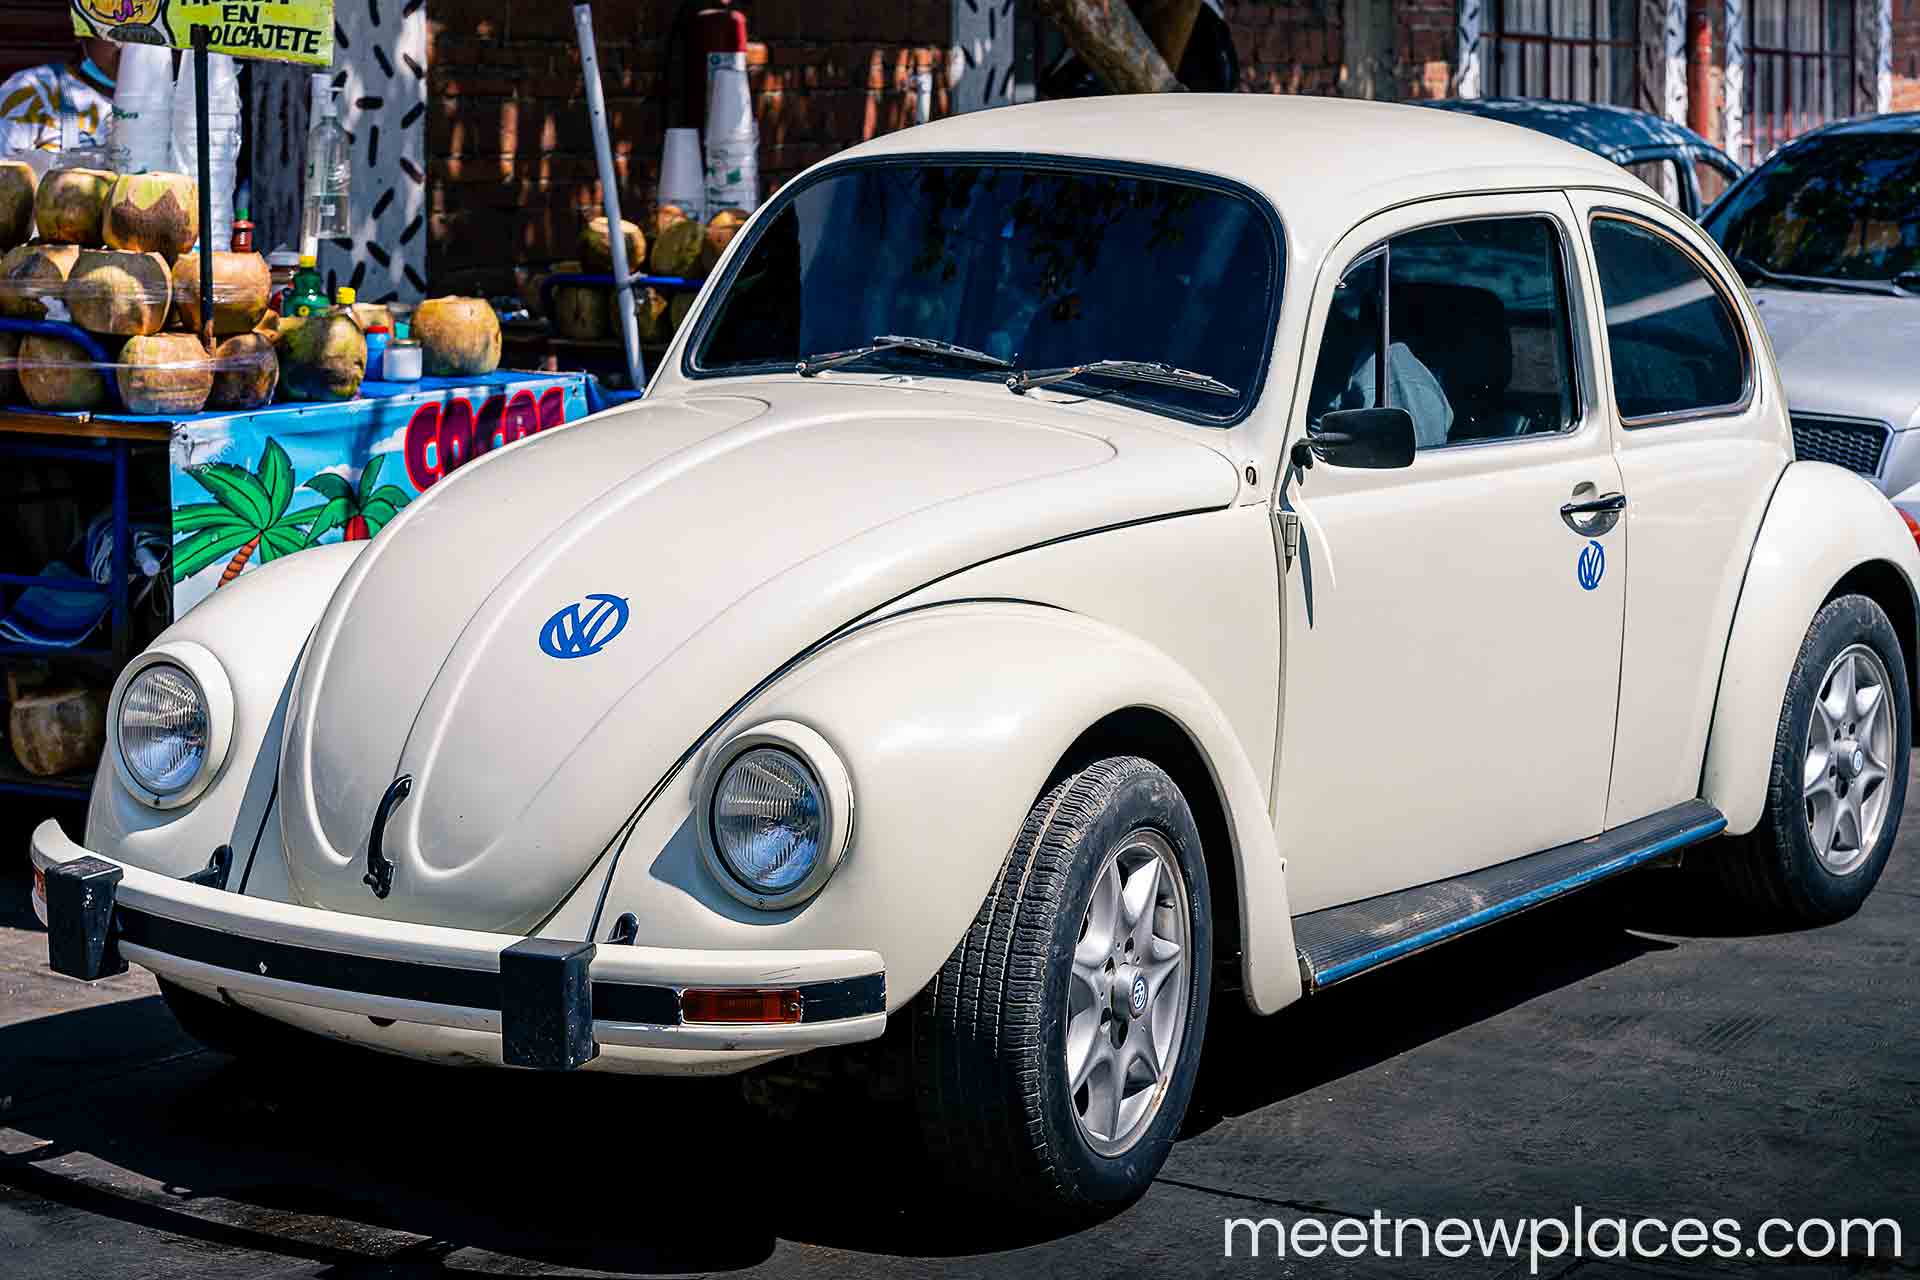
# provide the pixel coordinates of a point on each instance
(585, 627)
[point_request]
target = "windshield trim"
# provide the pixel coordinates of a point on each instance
(690, 368)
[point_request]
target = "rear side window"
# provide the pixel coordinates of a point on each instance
(1676, 347)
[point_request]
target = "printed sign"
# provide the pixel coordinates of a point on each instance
(249, 488)
(284, 30)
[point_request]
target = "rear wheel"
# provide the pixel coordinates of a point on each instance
(1839, 778)
(1055, 1052)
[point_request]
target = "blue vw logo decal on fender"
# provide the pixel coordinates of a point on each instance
(1593, 565)
(584, 628)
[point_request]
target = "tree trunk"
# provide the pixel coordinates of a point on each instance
(239, 562)
(1169, 23)
(1111, 41)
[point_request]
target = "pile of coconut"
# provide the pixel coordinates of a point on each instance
(680, 247)
(113, 254)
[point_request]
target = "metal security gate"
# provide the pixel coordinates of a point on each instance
(1800, 69)
(1575, 50)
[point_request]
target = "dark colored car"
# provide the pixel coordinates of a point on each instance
(1682, 166)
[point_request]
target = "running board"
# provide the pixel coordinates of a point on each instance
(1341, 942)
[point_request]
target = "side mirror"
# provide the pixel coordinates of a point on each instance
(1376, 439)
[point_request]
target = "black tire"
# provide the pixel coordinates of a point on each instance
(228, 1029)
(1774, 873)
(989, 1065)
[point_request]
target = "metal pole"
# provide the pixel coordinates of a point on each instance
(610, 193)
(203, 135)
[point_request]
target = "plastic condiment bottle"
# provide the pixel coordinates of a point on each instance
(309, 290)
(344, 296)
(378, 336)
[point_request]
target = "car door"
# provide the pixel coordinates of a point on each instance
(1695, 418)
(1452, 640)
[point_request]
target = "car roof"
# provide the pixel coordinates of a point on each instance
(1892, 122)
(1618, 133)
(1325, 163)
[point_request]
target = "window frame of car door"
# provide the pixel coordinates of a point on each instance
(1582, 363)
(1703, 263)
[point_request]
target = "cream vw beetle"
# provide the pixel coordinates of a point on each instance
(1027, 610)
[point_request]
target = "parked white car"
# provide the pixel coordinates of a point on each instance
(1026, 609)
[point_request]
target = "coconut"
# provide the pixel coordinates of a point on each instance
(677, 313)
(150, 389)
(596, 254)
(324, 357)
(676, 250)
(57, 374)
(153, 213)
(582, 312)
(721, 229)
(18, 182)
(32, 272)
(71, 205)
(249, 386)
(651, 310)
(665, 216)
(9, 380)
(114, 291)
(242, 283)
(459, 337)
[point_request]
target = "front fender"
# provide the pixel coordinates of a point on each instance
(256, 626)
(949, 720)
(1822, 523)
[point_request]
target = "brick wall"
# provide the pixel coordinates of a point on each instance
(512, 172)
(1906, 55)
(1296, 46)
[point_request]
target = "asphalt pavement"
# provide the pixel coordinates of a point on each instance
(1631, 1053)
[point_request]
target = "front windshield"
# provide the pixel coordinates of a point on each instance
(1844, 207)
(1042, 267)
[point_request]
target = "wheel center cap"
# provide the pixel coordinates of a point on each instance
(1851, 758)
(1130, 993)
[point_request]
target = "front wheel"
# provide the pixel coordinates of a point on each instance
(1839, 778)
(1055, 1051)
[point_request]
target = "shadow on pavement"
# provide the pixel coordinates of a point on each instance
(625, 1174)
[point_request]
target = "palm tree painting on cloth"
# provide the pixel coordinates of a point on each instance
(247, 519)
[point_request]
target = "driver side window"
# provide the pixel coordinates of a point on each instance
(1474, 319)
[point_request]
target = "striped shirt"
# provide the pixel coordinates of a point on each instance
(47, 106)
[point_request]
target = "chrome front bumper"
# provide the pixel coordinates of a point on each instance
(552, 1003)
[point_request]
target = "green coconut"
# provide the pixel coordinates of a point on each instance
(582, 312)
(324, 357)
(57, 374)
(18, 183)
(676, 250)
(459, 337)
(153, 213)
(677, 312)
(651, 310)
(665, 216)
(251, 384)
(150, 388)
(721, 228)
(33, 272)
(70, 205)
(242, 284)
(596, 252)
(119, 291)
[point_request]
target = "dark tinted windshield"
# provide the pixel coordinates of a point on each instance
(1845, 206)
(1042, 267)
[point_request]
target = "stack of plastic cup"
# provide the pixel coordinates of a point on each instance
(142, 133)
(223, 121)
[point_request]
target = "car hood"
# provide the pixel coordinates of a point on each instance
(732, 533)
(1846, 353)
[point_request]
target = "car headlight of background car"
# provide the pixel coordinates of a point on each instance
(774, 815)
(169, 723)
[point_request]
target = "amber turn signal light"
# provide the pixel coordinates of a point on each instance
(740, 1004)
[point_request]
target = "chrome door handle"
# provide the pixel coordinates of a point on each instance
(1596, 515)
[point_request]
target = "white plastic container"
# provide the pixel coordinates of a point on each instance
(223, 121)
(141, 138)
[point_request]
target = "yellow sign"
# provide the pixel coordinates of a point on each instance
(285, 30)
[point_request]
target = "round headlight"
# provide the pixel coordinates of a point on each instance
(768, 820)
(164, 730)
(775, 814)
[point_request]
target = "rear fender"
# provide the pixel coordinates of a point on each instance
(949, 719)
(1822, 523)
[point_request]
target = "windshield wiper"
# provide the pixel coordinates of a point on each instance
(1751, 270)
(1025, 380)
(897, 342)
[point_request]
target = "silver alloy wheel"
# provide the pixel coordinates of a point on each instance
(1127, 1001)
(1850, 738)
